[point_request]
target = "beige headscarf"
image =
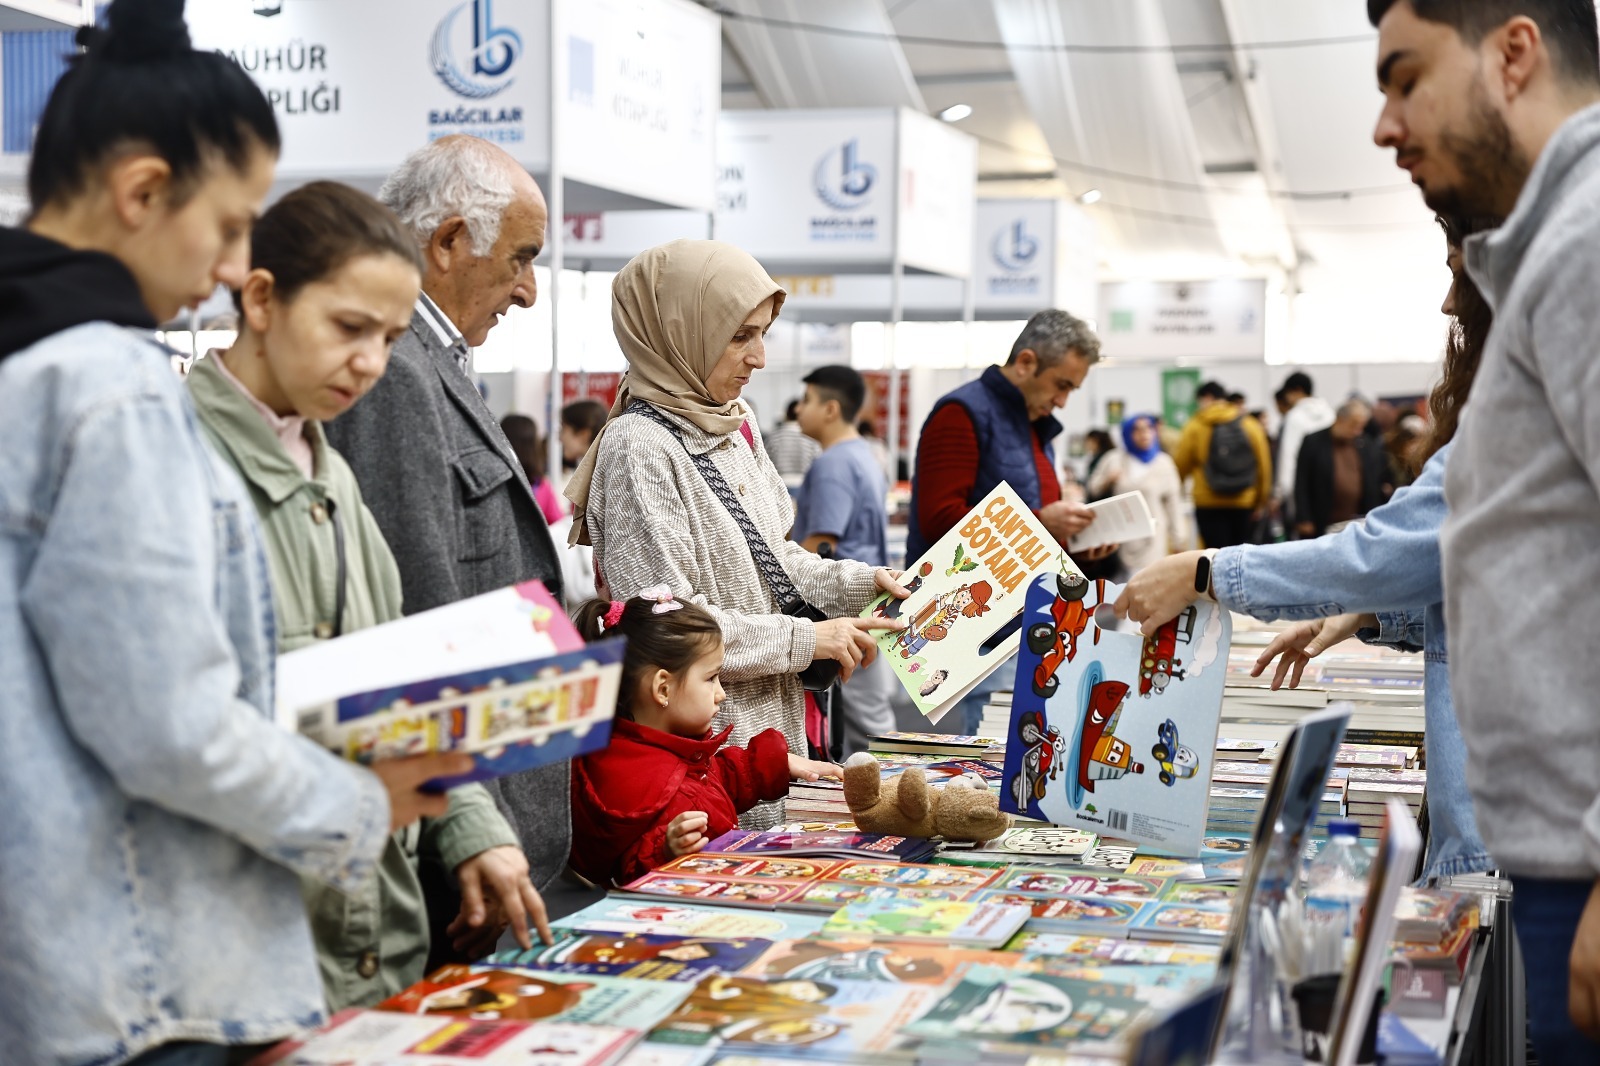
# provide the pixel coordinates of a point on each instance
(674, 308)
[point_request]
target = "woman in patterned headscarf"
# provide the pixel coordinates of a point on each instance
(691, 318)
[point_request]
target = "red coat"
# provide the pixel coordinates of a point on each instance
(625, 795)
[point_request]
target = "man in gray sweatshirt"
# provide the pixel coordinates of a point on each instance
(1490, 106)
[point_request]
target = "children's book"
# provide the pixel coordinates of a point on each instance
(638, 956)
(377, 1038)
(1200, 893)
(965, 593)
(1074, 883)
(673, 918)
(941, 745)
(1156, 982)
(1161, 866)
(512, 994)
(1109, 855)
(1035, 844)
(825, 897)
(993, 1008)
(503, 677)
(1106, 724)
(1070, 947)
(919, 876)
(1192, 922)
(986, 925)
(831, 844)
(864, 960)
(763, 893)
(1090, 915)
(707, 864)
(795, 1018)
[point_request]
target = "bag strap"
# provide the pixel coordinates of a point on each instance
(783, 590)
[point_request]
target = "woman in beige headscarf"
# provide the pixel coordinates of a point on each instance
(691, 317)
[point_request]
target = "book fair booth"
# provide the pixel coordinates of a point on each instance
(1156, 807)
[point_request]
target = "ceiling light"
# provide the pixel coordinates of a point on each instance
(955, 112)
(1090, 197)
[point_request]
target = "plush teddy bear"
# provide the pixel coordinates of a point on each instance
(906, 806)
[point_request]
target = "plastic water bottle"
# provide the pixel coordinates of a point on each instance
(1336, 889)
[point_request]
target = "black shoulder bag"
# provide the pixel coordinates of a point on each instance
(822, 673)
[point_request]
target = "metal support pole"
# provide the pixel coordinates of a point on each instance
(891, 353)
(556, 197)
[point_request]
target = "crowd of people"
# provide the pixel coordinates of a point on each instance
(183, 881)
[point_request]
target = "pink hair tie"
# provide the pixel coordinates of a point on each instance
(614, 614)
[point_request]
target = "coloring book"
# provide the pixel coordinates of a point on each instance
(965, 595)
(1111, 731)
(503, 677)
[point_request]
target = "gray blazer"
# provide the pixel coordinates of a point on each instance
(456, 508)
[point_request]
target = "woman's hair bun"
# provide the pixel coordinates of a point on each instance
(139, 31)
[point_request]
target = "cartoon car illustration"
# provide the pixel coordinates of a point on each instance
(1102, 755)
(1175, 760)
(1040, 762)
(1056, 641)
(1158, 661)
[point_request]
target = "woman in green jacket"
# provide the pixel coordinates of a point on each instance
(333, 281)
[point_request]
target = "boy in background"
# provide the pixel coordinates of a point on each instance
(840, 514)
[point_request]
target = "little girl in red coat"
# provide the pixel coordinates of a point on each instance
(665, 786)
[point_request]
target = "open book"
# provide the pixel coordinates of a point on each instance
(966, 594)
(503, 677)
(1117, 520)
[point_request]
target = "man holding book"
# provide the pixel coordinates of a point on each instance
(435, 468)
(1002, 428)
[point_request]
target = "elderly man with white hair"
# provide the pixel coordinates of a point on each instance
(437, 472)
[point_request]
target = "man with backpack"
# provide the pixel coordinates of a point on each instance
(1226, 452)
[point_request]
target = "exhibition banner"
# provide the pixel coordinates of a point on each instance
(356, 94)
(1184, 319)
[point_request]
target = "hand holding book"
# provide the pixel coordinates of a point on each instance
(404, 778)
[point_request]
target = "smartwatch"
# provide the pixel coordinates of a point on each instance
(1202, 574)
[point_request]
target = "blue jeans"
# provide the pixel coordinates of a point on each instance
(1546, 914)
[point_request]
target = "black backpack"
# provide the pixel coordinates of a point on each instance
(1230, 461)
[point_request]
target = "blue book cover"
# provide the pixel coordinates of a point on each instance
(1112, 731)
(637, 956)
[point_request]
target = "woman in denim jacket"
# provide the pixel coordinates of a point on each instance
(156, 817)
(1386, 567)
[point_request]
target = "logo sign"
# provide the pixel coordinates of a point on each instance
(470, 54)
(1014, 250)
(842, 180)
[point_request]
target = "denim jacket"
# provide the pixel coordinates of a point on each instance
(156, 818)
(1388, 565)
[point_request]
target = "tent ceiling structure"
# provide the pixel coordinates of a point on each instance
(1224, 137)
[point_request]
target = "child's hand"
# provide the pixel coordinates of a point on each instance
(686, 833)
(810, 769)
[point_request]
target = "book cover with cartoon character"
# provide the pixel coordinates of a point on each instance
(978, 924)
(795, 1017)
(990, 1009)
(1112, 731)
(966, 594)
(636, 956)
(864, 960)
(503, 677)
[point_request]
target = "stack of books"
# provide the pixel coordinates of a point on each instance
(1367, 789)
